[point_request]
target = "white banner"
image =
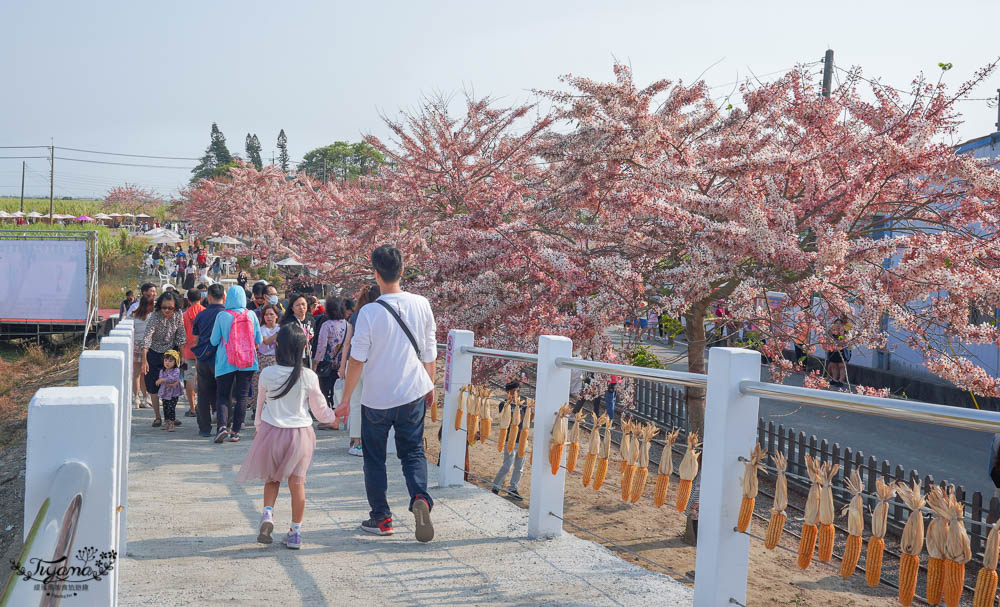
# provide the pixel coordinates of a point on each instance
(43, 280)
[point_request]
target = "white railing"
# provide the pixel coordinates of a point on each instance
(731, 408)
(76, 482)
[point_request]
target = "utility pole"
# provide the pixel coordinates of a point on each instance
(998, 110)
(324, 170)
(827, 72)
(52, 178)
(23, 162)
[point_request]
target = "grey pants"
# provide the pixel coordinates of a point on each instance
(515, 478)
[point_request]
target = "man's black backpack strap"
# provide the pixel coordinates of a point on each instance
(402, 326)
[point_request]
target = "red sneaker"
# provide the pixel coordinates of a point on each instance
(383, 527)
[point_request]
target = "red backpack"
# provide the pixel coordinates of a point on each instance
(240, 348)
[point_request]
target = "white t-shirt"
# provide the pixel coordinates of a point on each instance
(292, 409)
(393, 374)
(265, 333)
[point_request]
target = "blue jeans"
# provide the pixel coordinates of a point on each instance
(235, 384)
(610, 397)
(408, 420)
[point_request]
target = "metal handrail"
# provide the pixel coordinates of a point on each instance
(941, 415)
(523, 357)
(683, 378)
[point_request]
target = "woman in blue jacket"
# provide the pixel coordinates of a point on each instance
(230, 380)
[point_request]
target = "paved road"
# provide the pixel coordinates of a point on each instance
(958, 456)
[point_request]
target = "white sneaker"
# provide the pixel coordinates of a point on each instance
(355, 450)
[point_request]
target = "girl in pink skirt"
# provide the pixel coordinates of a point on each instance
(283, 446)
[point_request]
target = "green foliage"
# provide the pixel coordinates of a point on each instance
(673, 327)
(216, 157)
(341, 161)
(283, 151)
(253, 151)
(752, 340)
(642, 356)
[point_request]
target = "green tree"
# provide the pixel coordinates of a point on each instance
(283, 151)
(253, 151)
(216, 157)
(341, 161)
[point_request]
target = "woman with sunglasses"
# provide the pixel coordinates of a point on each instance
(164, 332)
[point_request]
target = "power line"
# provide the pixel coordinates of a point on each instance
(128, 155)
(21, 147)
(124, 164)
(22, 157)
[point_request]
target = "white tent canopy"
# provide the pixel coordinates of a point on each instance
(34, 214)
(289, 262)
(143, 215)
(225, 240)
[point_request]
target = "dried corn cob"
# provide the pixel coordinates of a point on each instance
(522, 440)
(809, 530)
(603, 454)
(625, 445)
(505, 418)
(629, 466)
(826, 513)
(573, 453)
(642, 468)
(753, 465)
(911, 542)
(665, 469)
(593, 448)
(460, 409)
(434, 410)
(986, 581)
(876, 543)
(515, 423)
(937, 538)
(485, 417)
(558, 439)
(472, 414)
(776, 524)
(855, 511)
(957, 550)
(688, 471)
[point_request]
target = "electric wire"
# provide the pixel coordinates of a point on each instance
(127, 155)
(125, 164)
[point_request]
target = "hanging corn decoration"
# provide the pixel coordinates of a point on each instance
(515, 424)
(855, 511)
(434, 410)
(809, 530)
(505, 418)
(625, 444)
(642, 471)
(776, 524)
(485, 417)
(462, 393)
(957, 553)
(753, 465)
(937, 538)
(876, 543)
(558, 439)
(593, 447)
(629, 466)
(573, 452)
(826, 512)
(522, 441)
(665, 469)
(603, 454)
(911, 542)
(986, 581)
(688, 471)
(472, 414)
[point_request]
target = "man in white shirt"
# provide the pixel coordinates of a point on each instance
(395, 343)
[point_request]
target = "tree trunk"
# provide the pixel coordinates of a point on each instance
(695, 332)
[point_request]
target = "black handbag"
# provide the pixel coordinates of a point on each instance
(326, 367)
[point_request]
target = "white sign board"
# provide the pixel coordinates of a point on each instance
(43, 281)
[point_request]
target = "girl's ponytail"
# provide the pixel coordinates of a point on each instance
(291, 343)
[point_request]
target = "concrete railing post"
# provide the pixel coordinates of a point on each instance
(107, 368)
(123, 345)
(76, 425)
(552, 392)
(723, 554)
(457, 373)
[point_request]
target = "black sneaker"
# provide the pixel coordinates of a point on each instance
(514, 495)
(221, 436)
(383, 527)
(495, 491)
(190, 413)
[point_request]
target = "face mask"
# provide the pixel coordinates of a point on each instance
(273, 300)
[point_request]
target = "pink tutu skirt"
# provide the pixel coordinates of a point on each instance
(277, 453)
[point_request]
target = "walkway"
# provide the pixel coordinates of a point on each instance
(191, 532)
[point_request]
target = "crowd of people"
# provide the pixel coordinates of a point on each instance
(245, 355)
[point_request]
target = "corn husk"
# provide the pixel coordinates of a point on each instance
(753, 465)
(813, 498)
(515, 421)
(666, 466)
(826, 510)
(522, 440)
(992, 549)
(472, 407)
(937, 529)
(625, 446)
(593, 447)
(605, 451)
(689, 464)
(780, 484)
(557, 439)
(912, 540)
(855, 509)
(460, 409)
(884, 493)
(641, 472)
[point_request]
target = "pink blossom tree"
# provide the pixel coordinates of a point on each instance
(130, 198)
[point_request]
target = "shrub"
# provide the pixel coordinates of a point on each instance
(642, 356)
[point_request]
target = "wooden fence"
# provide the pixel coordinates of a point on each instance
(665, 405)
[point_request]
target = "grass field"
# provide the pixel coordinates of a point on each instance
(70, 207)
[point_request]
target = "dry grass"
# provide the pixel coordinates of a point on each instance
(21, 376)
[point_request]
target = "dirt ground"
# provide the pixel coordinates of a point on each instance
(656, 534)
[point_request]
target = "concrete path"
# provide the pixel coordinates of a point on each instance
(192, 532)
(958, 456)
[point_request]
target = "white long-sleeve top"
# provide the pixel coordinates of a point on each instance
(292, 409)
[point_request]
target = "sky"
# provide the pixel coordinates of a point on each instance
(150, 78)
